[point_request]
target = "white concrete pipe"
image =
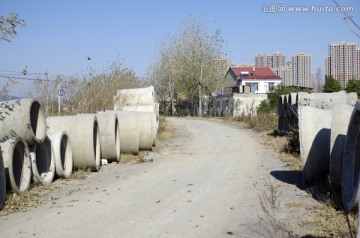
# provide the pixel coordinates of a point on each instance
(341, 115)
(135, 97)
(42, 162)
(281, 101)
(327, 100)
(129, 131)
(109, 136)
(291, 105)
(302, 99)
(351, 162)
(2, 182)
(17, 164)
(286, 124)
(83, 131)
(281, 125)
(314, 134)
(149, 118)
(23, 118)
(62, 154)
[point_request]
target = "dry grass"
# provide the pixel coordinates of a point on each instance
(80, 174)
(23, 202)
(166, 130)
(261, 122)
(132, 159)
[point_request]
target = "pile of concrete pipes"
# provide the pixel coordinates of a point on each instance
(138, 113)
(36, 148)
(329, 126)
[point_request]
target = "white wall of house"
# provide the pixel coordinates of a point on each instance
(259, 86)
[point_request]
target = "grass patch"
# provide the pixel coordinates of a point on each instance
(260, 122)
(23, 202)
(166, 130)
(132, 159)
(80, 174)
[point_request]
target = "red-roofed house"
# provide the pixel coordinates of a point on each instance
(250, 79)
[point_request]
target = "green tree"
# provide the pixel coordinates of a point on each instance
(280, 90)
(331, 85)
(8, 26)
(187, 63)
(353, 86)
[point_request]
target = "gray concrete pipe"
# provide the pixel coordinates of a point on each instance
(144, 124)
(23, 118)
(314, 134)
(17, 164)
(42, 162)
(135, 97)
(148, 108)
(351, 162)
(129, 131)
(62, 154)
(2, 182)
(328, 100)
(291, 105)
(83, 131)
(281, 100)
(341, 115)
(109, 136)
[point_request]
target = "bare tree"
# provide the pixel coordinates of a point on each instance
(187, 63)
(319, 82)
(8, 26)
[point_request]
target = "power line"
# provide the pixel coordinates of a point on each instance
(23, 78)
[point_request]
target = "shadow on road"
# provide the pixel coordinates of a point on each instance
(290, 177)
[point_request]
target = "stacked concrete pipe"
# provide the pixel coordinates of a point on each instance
(43, 162)
(135, 97)
(2, 182)
(281, 106)
(23, 118)
(62, 154)
(351, 162)
(341, 114)
(17, 163)
(84, 134)
(109, 136)
(129, 131)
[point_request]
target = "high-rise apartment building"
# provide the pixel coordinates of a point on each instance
(273, 61)
(343, 62)
(301, 70)
(284, 72)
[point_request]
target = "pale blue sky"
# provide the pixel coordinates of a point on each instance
(59, 35)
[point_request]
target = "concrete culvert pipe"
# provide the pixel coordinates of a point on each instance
(314, 134)
(135, 97)
(129, 131)
(84, 134)
(291, 105)
(351, 162)
(281, 125)
(62, 154)
(43, 162)
(328, 100)
(23, 118)
(17, 162)
(341, 115)
(2, 182)
(281, 100)
(109, 136)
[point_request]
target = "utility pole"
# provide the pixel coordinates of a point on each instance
(59, 99)
(46, 92)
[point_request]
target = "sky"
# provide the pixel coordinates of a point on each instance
(60, 35)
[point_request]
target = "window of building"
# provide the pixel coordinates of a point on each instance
(271, 86)
(253, 87)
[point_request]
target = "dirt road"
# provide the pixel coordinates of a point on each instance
(204, 182)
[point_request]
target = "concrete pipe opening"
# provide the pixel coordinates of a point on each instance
(38, 121)
(351, 162)
(2, 182)
(117, 140)
(24, 119)
(43, 162)
(62, 154)
(280, 105)
(96, 146)
(17, 163)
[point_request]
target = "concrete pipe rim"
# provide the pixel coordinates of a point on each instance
(66, 155)
(96, 146)
(37, 121)
(20, 166)
(351, 163)
(2, 182)
(44, 164)
(117, 139)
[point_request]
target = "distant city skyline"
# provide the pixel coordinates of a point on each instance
(59, 36)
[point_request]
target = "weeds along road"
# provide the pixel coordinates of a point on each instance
(204, 182)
